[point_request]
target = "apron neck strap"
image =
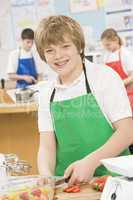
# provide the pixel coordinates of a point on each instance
(86, 83)
(52, 96)
(86, 80)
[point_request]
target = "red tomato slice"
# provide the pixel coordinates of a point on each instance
(101, 187)
(74, 188)
(99, 183)
(68, 189)
(101, 179)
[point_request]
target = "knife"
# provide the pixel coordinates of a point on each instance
(62, 180)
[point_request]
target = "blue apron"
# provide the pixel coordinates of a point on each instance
(26, 66)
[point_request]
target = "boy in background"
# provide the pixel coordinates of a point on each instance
(23, 65)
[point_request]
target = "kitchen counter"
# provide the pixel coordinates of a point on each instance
(19, 131)
(86, 193)
(18, 108)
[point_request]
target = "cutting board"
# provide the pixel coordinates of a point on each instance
(86, 193)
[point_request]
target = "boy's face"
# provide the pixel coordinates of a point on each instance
(27, 44)
(64, 57)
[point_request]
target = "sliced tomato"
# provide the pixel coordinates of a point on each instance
(101, 187)
(72, 189)
(75, 190)
(98, 183)
(69, 189)
(101, 179)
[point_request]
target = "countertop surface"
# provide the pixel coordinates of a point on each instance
(18, 108)
(13, 107)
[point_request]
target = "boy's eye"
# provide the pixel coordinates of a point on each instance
(48, 50)
(66, 45)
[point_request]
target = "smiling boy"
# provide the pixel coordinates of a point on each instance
(82, 117)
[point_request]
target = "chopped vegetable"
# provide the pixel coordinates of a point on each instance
(99, 183)
(72, 189)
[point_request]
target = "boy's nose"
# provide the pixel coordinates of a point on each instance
(58, 53)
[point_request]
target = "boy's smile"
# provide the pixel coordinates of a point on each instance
(61, 63)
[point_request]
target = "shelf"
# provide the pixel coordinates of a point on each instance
(118, 11)
(125, 30)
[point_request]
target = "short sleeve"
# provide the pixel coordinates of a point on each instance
(12, 62)
(114, 97)
(44, 115)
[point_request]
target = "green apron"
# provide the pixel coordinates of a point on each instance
(80, 128)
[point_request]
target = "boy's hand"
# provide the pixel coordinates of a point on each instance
(81, 171)
(29, 79)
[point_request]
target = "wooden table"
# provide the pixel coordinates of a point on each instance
(18, 108)
(87, 193)
(19, 132)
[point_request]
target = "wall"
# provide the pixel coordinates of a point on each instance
(92, 21)
(95, 19)
(6, 39)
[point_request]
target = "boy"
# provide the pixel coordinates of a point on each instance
(84, 116)
(23, 63)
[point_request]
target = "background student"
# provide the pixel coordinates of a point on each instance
(119, 58)
(24, 63)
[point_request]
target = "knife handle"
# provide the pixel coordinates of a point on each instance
(67, 179)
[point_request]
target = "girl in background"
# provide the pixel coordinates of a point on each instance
(119, 58)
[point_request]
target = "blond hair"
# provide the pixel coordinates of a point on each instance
(111, 35)
(53, 29)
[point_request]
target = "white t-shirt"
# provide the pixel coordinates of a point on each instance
(105, 85)
(126, 58)
(15, 54)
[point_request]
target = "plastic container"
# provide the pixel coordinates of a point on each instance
(27, 188)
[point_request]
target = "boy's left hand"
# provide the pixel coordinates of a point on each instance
(81, 171)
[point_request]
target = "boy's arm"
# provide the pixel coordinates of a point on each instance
(84, 169)
(27, 78)
(119, 141)
(47, 154)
